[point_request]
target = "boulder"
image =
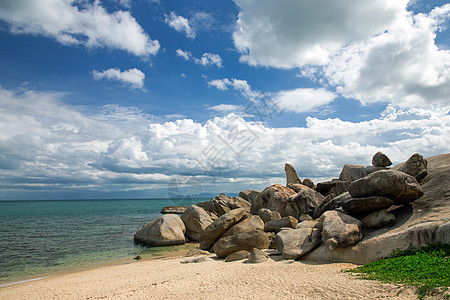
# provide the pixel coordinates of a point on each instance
(415, 166)
(166, 230)
(223, 204)
(249, 195)
(295, 243)
(238, 255)
(325, 187)
(291, 175)
(378, 219)
(242, 241)
(330, 204)
(267, 215)
(305, 202)
(249, 223)
(309, 183)
(274, 198)
(381, 160)
(310, 224)
(365, 205)
(395, 185)
(276, 225)
(355, 172)
(213, 231)
(340, 230)
(257, 256)
(297, 187)
(196, 219)
(173, 209)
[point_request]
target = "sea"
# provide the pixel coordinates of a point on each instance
(39, 238)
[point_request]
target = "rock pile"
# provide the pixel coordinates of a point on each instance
(299, 218)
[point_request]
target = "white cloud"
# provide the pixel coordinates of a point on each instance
(303, 99)
(225, 108)
(132, 77)
(207, 59)
(238, 85)
(180, 24)
(118, 149)
(78, 23)
(373, 51)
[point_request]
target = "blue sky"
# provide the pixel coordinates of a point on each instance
(147, 98)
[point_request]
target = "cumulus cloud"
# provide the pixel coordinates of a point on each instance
(373, 51)
(180, 24)
(132, 77)
(78, 23)
(225, 108)
(46, 145)
(207, 59)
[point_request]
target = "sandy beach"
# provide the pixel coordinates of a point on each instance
(168, 278)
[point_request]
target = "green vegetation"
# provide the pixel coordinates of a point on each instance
(427, 268)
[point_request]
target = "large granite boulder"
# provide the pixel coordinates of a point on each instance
(242, 241)
(274, 198)
(340, 230)
(378, 219)
(249, 195)
(398, 186)
(381, 160)
(166, 230)
(415, 166)
(267, 215)
(213, 231)
(297, 242)
(305, 202)
(291, 175)
(251, 222)
(196, 219)
(330, 204)
(365, 205)
(223, 204)
(276, 225)
(355, 172)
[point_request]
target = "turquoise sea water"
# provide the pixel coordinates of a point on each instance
(42, 237)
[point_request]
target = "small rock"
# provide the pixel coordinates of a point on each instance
(196, 260)
(197, 252)
(238, 255)
(381, 160)
(138, 257)
(308, 182)
(257, 256)
(415, 166)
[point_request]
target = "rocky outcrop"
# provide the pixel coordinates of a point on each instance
(378, 219)
(365, 205)
(304, 202)
(295, 243)
(223, 204)
(276, 225)
(242, 241)
(166, 230)
(398, 186)
(249, 223)
(249, 195)
(381, 160)
(340, 230)
(415, 166)
(211, 233)
(274, 198)
(291, 175)
(267, 215)
(355, 172)
(196, 219)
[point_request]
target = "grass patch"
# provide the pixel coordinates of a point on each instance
(426, 268)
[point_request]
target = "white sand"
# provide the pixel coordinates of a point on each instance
(170, 279)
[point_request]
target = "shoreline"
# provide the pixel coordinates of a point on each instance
(168, 278)
(161, 253)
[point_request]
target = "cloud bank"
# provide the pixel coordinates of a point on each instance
(78, 23)
(123, 150)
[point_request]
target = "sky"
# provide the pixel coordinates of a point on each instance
(165, 99)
